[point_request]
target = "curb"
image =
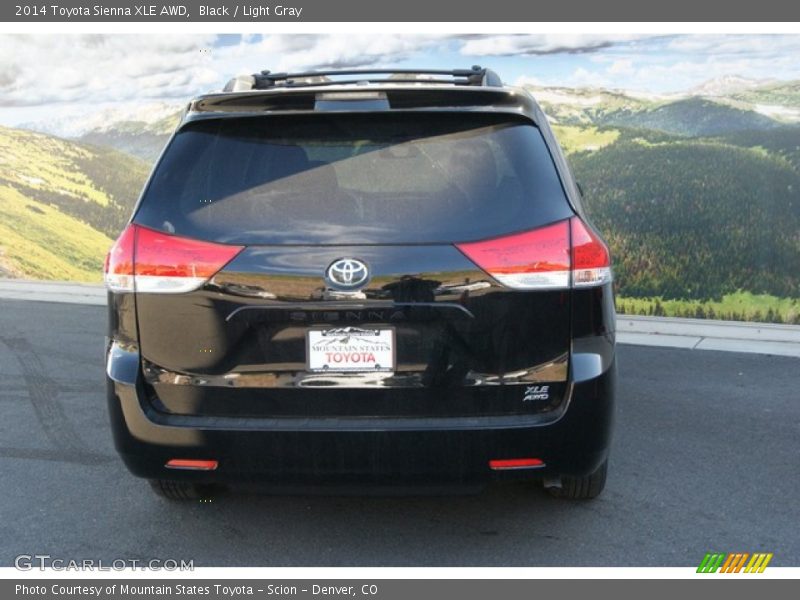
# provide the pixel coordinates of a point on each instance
(53, 291)
(705, 334)
(666, 332)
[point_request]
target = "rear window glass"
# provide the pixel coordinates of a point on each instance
(354, 179)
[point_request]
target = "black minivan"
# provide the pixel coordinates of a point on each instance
(362, 278)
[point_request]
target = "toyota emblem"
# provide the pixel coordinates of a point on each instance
(347, 273)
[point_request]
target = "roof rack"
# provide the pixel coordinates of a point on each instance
(476, 76)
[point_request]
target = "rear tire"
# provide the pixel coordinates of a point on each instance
(582, 488)
(181, 490)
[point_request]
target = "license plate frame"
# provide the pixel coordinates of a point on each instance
(351, 355)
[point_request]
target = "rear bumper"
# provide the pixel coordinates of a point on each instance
(363, 450)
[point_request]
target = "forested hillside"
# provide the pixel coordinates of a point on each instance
(695, 219)
(691, 117)
(783, 142)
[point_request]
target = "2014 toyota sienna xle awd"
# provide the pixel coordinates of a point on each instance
(333, 277)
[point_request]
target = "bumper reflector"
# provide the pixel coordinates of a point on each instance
(191, 464)
(515, 463)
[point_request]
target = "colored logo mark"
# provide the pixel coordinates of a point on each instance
(734, 562)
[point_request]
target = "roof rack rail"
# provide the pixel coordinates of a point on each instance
(476, 76)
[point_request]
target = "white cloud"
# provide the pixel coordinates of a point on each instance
(46, 69)
(528, 80)
(684, 62)
(285, 53)
(623, 66)
(731, 45)
(582, 77)
(49, 70)
(534, 44)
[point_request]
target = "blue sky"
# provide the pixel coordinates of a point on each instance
(54, 76)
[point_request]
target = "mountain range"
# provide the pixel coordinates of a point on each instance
(718, 106)
(698, 193)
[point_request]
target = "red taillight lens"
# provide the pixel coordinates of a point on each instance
(591, 262)
(118, 270)
(536, 259)
(553, 257)
(192, 464)
(167, 264)
(503, 464)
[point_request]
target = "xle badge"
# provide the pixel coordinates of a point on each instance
(536, 392)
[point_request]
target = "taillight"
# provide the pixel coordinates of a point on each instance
(156, 262)
(118, 271)
(170, 264)
(532, 260)
(557, 256)
(591, 263)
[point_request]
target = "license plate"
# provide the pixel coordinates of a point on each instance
(350, 349)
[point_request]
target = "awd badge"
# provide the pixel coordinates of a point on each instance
(536, 392)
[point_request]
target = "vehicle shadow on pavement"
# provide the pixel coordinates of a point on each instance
(486, 528)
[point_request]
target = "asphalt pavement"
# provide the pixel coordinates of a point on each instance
(706, 458)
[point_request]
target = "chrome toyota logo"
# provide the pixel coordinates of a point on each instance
(347, 273)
